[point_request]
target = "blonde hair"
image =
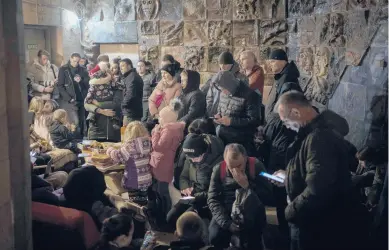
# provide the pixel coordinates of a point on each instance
(36, 105)
(134, 130)
(249, 53)
(60, 115)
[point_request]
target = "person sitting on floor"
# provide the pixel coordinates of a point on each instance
(135, 154)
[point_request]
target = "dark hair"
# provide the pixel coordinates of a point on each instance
(117, 225)
(43, 52)
(202, 126)
(75, 54)
(103, 57)
(116, 60)
(86, 60)
(169, 58)
(127, 61)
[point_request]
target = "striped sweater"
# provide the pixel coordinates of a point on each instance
(135, 154)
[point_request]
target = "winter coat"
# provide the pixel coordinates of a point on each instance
(213, 95)
(165, 141)
(41, 77)
(70, 89)
(286, 80)
(60, 135)
(147, 85)
(135, 154)
(193, 99)
(168, 93)
(323, 203)
(221, 194)
(133, 95)
(198, 176)
(185, 245)
(257, 79)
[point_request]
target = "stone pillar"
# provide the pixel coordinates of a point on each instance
(15, 180)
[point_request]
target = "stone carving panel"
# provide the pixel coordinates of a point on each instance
(49, 16)
(195, 33)
(354, 56)
(238, 50)
(337, 37)
(338, 5)
(193, 9)
(380, 38)
(177, 52)
(148, 9)
(171, 10)
(245, 9)
(204, 77)
(378, 17)
(357, 4)
(213, 56)
(323, 6)
(124, 10)
(148, 28)
(273, 33)
(322, 30)
(304, 82)
(319, 90)
(245, 33)
(293, 28)
(274, 9)
(337, 63)
(150, 54)
(219, 9)
(307, 31)
(322, 62)
(377, 61)
(301, 7)
(356, 30)
(219, 33)
(171, 33)
(195, 58)
(100, 10)
(305, 60)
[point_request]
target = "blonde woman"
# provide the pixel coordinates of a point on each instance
(62, 132)
(135, 154)
(40, 120)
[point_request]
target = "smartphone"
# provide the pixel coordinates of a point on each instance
(272, 177)
(83, 155)
(147, 239)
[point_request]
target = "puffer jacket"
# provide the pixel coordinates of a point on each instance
(221, 194)
(198, 176)
(42, 76)
(147, 85)
(285, 81)
(60, 135)
(192, 98)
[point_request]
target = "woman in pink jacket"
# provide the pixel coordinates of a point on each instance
(165, 139)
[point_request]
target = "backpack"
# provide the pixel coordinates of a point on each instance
(223, 168)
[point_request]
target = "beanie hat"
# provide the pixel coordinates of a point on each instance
(168, 57)
(194, 145)
(278, 54)
(169, 68)
(226, 58)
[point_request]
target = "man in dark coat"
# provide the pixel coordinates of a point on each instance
(221, 196)
(323, 207)
(192, 97)
(73, 85)
(132, 99)
(238, 111)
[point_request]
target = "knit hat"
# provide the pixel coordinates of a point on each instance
(194, 145)
(278, 54)
(169, 68)
(226, 58)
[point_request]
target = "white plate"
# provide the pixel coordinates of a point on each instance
(87, 142)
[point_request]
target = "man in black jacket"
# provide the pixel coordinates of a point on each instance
(221, 196)
(238, 111)
(323, 208)
(73, 85)
(132, 99)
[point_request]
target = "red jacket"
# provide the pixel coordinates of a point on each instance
(257, 79)
(165, 142)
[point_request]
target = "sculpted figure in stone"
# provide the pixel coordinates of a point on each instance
(305, 60)
(171, 33)
(246, 9)
(294, 7)
(324, 29)
(337, 37)
(124, 10)
(219, 33)
(322, 60)
(149, 28)
(148, 9)
(194, 58)
(150, 54)
(319, 90)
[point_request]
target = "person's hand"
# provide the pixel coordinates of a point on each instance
(49, 89)
(56, 81)
(187, 191)
(94, 102)
(279, 173)
(240, 177)
(234, 228)
(288, 199)
(217, 116)
(73, 127)
(362, 164)
(107, 112)
(151, 245)
(225, 120)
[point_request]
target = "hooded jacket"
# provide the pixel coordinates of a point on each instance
(60, 135)
(167, 93)
(42, 76)
(133, 95)
(192, 98)
(198, 176)
(285, 81)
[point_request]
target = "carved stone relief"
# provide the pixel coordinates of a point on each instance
(100, 10)
(375, 3)
(245, 9)
(273, 32)
(357, 4)
(292, 53)
(301, 7)
(338, 5)
(294, 7)
(49, 16)
(177, 52)
(378, 17)
(171, 10)
(147, 28)
(354, 56)
(219, 33)
(377, 61)
(124, 10)
(171, 33)
(323, 6)
(195, 58)
(322, 62)
(337, 37)
(193, 9)
(274, 9)
(319, 90)
(322, 30)
(148, 9)
(90, 49)
(213, 56)
(337, 63)
(304, 81)
(307, 31)
(238, 50)
(293, 28)
(356, 30)
(245, 33)
(195, 33)
(305, 60)
(150, 54)
(205, 76)
(219, 9)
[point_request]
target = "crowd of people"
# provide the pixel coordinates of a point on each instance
(227, 154)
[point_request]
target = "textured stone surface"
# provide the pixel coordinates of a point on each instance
(307, 31)
(355, 30)
(171, 33)
(49, 16)
(304, 82)
(272, 9)
(380, 38)
(358, 131)
(195, 58)
(338, 5)
(220, 33)
(71, 34)
(213, 55)
(30, 13)
(320, 90)
(56, 3)
(205, 76)
(148, 9)
(337, 63)
(323, 6)
(378, 17)
(171, 10)
(111, 32)
(100, 10)
(322, 62)
(245, 9)
(301, 7)
(337, 37)
(147, 28)
(292, 53)
(357, 4)
(245, 33)
(293, 28)
(322, 31)
(177, 52)
(305, 60)
(193, 9)
(273, 33)
(150, 54)
(195, 33)
(219, 9)
(354, 56)
(124, 10)
(377, 60)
